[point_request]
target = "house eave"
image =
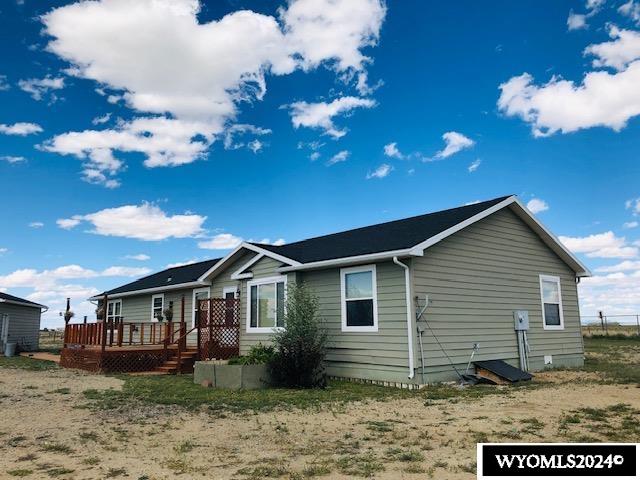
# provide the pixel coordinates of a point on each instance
(24, 304)
(177, 286)
(346, 261)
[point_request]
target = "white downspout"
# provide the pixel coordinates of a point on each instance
(407, 280)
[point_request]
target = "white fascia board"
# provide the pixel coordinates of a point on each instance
(550, 239)
(238, 275)
(370, 257)
(23, 304)
(420, 247)
(209, 273)
(164, 288)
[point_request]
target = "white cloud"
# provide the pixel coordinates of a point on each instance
(380, 172)
(143, 222)
(36, 225)
(320, 115)
(631, 9)
(602, 98)
(632, 224)
(20, 128)
(612, 293)
(576, 21)
(624, 49)
(125, 272)
(620, 267)
(473, 202)
(39, 87)
(101, 119)
(232, 133)
(633, 205)
(341, 156)
(12, 159)
(313, 156)
(159, 59)
(536, 205)
(141, 257)
(267, 241)
(4, 85)
(601, 245)
(473, 166)
(3, 250)
(391, 150)
(181, 264)
(222, 241)
(454, 142)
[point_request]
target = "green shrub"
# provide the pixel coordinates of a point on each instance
(259, 354)
(300, 348)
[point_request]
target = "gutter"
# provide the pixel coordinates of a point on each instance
(25, 304)
(407, 279)
(344, 261)
(176, 286)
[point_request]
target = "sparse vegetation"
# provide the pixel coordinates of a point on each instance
(27, 363)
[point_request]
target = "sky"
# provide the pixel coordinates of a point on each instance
(138, 135)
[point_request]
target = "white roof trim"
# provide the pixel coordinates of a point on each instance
(24, 304)
(237, 275)
(206, 275)
(369, 257)
(163, 288)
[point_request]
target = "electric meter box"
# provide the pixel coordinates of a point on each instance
(521, 319)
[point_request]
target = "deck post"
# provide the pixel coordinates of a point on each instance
(103, 334)
(210, 344)
(198, 326)
(183, 325)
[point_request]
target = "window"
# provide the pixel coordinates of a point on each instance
(157, 305)
(359, 299)
(198, 294)
(552, 317)
(229, 294)
(265, 309)
(114, 310)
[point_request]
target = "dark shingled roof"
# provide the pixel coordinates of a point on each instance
(383, 237)
(12, 298)
(168, 277)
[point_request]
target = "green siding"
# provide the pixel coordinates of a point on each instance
(137, 308)
(475, 279)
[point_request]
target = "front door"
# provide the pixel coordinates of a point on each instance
(199, 294)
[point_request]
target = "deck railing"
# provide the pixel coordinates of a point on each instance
(121, 333)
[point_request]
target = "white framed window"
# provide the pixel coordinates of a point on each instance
(359, 295)
(157, 306)
(265, 306)
(114, 310)
(198, 294)
(551, 296)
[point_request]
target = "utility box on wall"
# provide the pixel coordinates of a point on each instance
(521, 319)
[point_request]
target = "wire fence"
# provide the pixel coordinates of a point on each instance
(627, 325)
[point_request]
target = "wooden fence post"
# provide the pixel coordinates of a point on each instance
(103, 340)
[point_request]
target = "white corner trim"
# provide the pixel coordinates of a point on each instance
(206, 275)
(261, 281)
(556, 279)
(343, 298)
(238, 275)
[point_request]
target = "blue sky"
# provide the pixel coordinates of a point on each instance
(170, 131)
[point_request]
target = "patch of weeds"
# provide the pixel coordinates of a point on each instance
(57, 448)
(88, 437)
(20, 472)
(30, 387)
(379, 426)
(91, 461)
(400, 455)
(362, 465)
(59, 471)
(28, 457)
(479, 437)
(282, 428)
(184, 447)
(61, 391)
(440, 464)
(16, 441)
(263, 471)
(532, 425)
(317, 469)
(413, 467)
(26, 363)
(511, 434)
(115, 472)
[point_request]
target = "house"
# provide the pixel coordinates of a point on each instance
(403, 301)
(19, 322)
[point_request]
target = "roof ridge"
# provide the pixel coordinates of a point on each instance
(504, 197)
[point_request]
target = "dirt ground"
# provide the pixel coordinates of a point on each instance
(46, 434)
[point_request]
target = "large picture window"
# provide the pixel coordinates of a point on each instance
(265, 309)
(552, 317)
(359, 299)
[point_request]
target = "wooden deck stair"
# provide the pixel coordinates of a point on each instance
(187, 361)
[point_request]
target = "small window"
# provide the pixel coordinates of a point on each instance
(359, 299)
(266, 304)
(157, 305)
(114, 310)
(552, 317)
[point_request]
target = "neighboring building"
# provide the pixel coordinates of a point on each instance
(476, 264)
(19, 322)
